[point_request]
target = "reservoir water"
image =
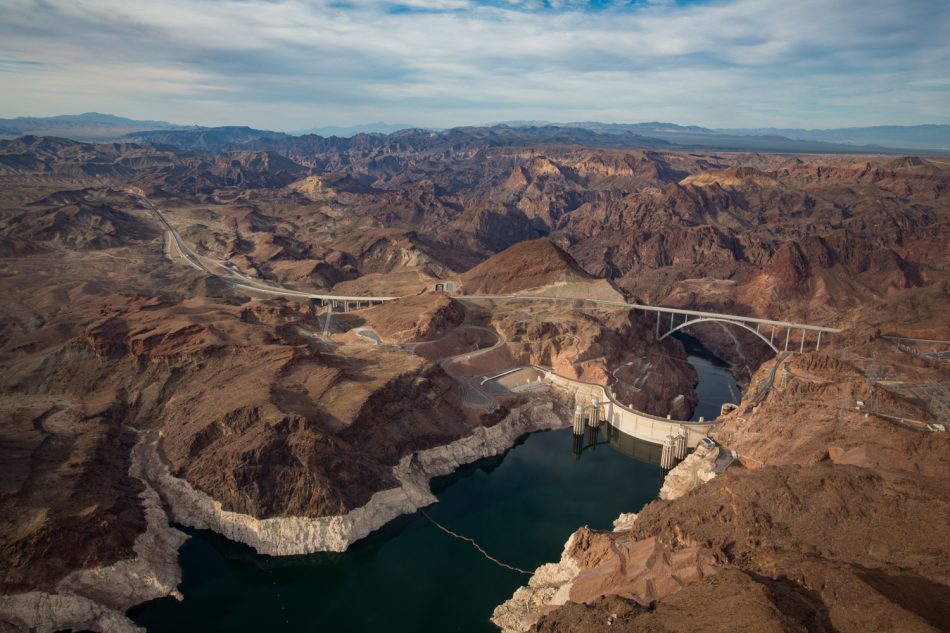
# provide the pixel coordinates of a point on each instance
(716, 386)
(409, 576)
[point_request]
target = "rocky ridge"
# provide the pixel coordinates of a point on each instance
(824, 525)
(281, 536)
(103, 333)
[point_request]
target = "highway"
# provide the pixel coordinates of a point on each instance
(234, 278)
(472, 391)
(663, 310)
(766, 387)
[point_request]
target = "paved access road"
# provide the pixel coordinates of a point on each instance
(234, 278)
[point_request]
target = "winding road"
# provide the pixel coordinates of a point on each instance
(472, 390)
(237, 280)
(233, 277)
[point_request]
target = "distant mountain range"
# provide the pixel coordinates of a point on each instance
(203, 137)
(903, 137)
(96, 127)
(90, 126)
(368, 128)
(910, 136)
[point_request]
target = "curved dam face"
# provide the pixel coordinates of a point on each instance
(519, 507)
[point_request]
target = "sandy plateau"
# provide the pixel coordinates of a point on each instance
(162, 361)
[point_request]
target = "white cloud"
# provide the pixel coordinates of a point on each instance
(294, 63)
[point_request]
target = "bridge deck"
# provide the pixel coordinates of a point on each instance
(665, 310)
(253, 285)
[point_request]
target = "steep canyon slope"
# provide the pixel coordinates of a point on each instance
(111, 343)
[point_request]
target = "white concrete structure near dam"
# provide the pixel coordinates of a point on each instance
(643, 426)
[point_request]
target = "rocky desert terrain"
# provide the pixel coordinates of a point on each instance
(162, 362)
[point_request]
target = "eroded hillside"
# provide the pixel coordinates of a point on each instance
(139, 368)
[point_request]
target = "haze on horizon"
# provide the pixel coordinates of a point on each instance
(290, 64)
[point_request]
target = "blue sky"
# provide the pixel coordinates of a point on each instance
(291, 64)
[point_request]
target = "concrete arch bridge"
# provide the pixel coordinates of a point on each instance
(778, 335)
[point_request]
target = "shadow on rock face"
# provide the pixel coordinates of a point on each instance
(804, 606)
(926, 598)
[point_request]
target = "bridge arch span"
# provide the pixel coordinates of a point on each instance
(685, 324)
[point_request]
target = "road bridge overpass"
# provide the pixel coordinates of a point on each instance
(679, 318)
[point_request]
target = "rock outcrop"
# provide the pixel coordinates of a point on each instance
(527, 265)
(95, 598)
(412, 319)
(699, 467)
(827, 527)
(301, 535)
(271, 431)
(596, 565)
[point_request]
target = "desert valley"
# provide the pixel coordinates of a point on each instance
(271, 345)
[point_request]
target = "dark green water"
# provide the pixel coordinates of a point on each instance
(410, 576)
(716, 385)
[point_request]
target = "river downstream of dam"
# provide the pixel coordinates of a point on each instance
(520, 506)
